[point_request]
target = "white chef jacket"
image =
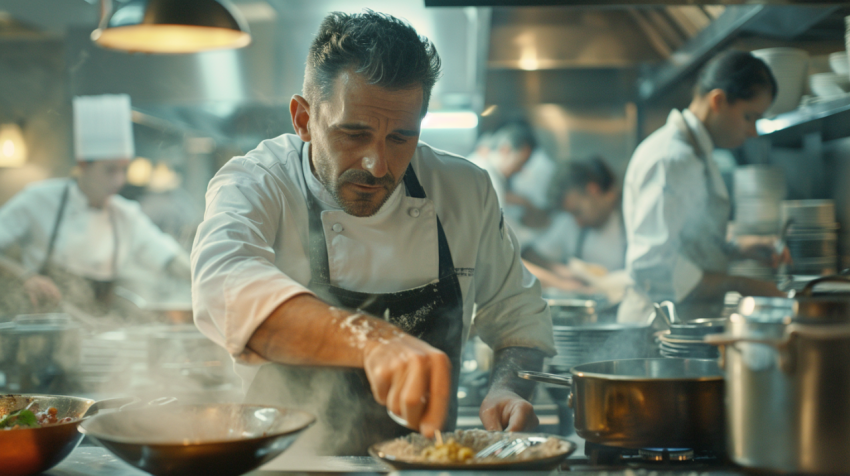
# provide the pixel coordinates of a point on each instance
(86, 242)
(251, 251)
(605, 245)
(672, 237)
(532, 180)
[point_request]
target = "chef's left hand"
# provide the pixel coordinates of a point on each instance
(762, 248)
(505, 410)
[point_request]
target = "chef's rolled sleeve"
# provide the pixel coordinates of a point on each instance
(235, 283)
(510, 309)
(660, 210)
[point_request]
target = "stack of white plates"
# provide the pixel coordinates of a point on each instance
(838, 61)
(758, 191)
(829, 85)
(789, 67)
(812, 236)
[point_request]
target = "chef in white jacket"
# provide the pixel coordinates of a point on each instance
(75, 235)
(341, 266)
(676, 206)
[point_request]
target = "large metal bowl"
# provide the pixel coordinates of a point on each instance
(221, 439)
(33, 450)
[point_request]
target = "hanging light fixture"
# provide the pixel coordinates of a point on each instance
(13, 149)
(171, 26)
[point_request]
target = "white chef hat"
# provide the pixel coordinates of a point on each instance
(103, 127)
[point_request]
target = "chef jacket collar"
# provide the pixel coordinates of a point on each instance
(328, 202)
(79, 201)
(700, 132)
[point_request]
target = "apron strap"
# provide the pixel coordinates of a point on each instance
(59, 214)
(319, 264)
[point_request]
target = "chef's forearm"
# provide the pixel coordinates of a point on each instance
(506, 364)
(304, 330)
(716, 285)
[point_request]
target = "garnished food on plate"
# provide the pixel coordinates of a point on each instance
(460, 448)
(27, 418)
(449, 452)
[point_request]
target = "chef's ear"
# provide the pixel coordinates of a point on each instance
(717, 99)
(299, 109)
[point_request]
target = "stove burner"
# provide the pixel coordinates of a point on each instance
(666, 454)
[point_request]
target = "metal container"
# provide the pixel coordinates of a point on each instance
(39, 351)
(646, 403)
(571, 312)
(788, 384)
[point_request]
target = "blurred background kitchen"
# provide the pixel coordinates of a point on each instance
(526, 91)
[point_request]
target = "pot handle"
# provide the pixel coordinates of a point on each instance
(836, 278)
(554, 379)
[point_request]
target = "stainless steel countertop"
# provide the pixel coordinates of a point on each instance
(96, 461)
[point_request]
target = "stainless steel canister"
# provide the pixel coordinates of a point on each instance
(787, 388)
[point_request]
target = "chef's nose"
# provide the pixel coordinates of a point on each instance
(375, 162)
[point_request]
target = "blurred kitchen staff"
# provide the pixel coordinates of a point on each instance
(75, 234)
(590, 227)
(349, 257)
(676, 206)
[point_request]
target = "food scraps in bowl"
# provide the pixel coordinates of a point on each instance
(27, 418)
(461, 446)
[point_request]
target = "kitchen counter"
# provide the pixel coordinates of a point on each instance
(96, 461)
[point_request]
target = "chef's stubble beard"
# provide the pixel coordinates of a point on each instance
(363, 205)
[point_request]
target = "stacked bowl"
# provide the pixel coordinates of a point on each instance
(829, 85)
(812, 236)
(789, 67)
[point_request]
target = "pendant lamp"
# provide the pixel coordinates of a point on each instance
(171, 26)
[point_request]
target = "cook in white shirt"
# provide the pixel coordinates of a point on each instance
(675, 204)
(590, 228)
(344, 262)
(75, 235)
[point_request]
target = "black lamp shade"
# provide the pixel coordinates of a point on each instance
(173, 26)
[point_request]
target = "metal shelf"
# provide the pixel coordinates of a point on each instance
(780, 22)
(829, 118)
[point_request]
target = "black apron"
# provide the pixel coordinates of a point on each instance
(91, 295)
(349, 417)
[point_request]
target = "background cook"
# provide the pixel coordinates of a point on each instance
(353, 212)
(676, 206)
(75, 235)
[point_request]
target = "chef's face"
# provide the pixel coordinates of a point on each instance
(735, 122)
(590, 207)
(104, 178)
(362, 140)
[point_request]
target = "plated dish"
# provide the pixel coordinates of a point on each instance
(458, 451)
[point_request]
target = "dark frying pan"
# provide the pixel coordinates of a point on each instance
(221, 439)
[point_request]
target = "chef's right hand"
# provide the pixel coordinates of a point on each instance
(42, 291)
(412, 379)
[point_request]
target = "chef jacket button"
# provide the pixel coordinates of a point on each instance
(337, 228)
(414, 212)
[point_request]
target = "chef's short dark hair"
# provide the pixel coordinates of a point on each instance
(386, 51)
(517, 134)
(739, 74)
(577, 175)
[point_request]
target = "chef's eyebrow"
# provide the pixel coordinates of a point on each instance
(363, 127)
